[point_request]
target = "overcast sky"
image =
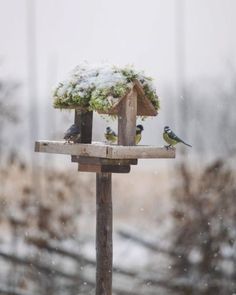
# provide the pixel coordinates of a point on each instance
(137, 32)
(124, 31)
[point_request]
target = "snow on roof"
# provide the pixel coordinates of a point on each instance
(99, 86)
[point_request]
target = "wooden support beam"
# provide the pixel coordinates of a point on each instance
(127, 119)
(85, 122)
(103, 161)
(101, 150)
(92, 164)
(104, 234)
(104, 168)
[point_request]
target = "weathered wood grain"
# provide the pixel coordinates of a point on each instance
(139, 152)
(104, 168)
(85, 122)
(102, 150)
(104, 161)
(104, 234)
(76, 149)
(127, 119)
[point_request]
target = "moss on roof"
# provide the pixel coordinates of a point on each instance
(98, 87)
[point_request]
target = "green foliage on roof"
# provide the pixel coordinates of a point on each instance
(98, 87)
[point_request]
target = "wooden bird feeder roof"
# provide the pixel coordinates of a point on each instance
(144, 106)
(67, 94)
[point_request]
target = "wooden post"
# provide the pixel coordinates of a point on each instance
(104, 234)
(85, 122)
(127, 119)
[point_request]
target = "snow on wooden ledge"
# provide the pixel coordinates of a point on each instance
(102, 150)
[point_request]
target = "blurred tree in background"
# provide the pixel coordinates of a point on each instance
(204, 230)
(9, 112)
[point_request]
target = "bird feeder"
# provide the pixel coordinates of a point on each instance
(105, 159)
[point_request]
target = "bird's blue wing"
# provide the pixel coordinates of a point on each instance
(73, 130)
(172, 135)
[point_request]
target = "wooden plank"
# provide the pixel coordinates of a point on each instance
(77, 149)
(102, 150)
(116, 168)
(104, 168)
(139, 152)
(127, 119)
(104, 234)
(103, 161)
(89, 168)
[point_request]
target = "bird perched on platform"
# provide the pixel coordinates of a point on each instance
(110, 135)
(138, 136)
(172, 139)
(72, 134)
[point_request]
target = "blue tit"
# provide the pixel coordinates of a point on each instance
(138, 136)
(110, 135)
(72, 134)
(172, 139)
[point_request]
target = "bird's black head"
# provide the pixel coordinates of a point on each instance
(166, 128)
(108, 129)
(140, 127)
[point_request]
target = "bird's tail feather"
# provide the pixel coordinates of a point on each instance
(186, 144)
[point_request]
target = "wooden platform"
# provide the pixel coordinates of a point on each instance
(102, 150)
